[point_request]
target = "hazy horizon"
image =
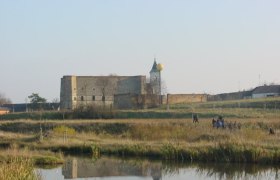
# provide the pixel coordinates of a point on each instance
(206, 46)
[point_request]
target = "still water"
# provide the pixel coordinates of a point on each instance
(136, 169)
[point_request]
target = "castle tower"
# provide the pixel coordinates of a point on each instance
(155, 78)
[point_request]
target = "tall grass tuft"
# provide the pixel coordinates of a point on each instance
(18, 168)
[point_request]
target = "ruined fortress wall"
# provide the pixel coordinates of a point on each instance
(67, 91)
(136, 101)
(124, 101)
(185, 98)
(98, 90)
(230, 96)
(108, 86)
(130, 101)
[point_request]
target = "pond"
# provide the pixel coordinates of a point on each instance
(112, 168)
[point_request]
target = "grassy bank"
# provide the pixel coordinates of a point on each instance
(16, 163)
(221, 152)
(154, 133)
(182, 111)
(18, 168)
(175, 139)
(246, 108)
(37, 157)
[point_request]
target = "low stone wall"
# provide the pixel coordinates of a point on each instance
(184, 98)
(230, 96)
(134, 101)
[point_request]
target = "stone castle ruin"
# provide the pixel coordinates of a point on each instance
(121, 92)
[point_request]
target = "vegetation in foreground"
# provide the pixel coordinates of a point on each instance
(18, 168)
(158, 133)
(246, 108)
(18, 163)
(174, 139)
(37, 157)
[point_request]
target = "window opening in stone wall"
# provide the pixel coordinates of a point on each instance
(103, 98)
(82, 98)
(93, 98)
(75, 98)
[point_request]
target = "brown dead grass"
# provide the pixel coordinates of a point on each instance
(155, 132)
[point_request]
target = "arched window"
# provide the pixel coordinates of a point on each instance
(82, 98)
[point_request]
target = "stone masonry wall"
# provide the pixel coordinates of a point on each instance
(98, 90)
(230, 96)
(185, 98)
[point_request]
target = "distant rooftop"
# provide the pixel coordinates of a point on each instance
(267, 89)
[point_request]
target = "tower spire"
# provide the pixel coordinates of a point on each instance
(154, 68)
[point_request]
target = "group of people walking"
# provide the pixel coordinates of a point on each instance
(219, 122)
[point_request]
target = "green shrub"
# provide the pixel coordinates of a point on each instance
(93, 112)
(64, 129)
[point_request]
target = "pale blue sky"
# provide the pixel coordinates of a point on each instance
(206, 46)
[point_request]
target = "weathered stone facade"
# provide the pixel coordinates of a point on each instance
(184, 98)
(122, 92)
(230, 96)
(136, 101)
(98, 90)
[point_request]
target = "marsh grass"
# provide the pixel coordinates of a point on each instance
(37, 157)
(176, 139)
(18, 168)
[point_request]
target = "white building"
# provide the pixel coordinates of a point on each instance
(266, 91)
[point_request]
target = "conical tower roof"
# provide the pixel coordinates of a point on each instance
(154, 68)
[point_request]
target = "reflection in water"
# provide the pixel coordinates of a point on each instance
(108, 167)
(111, 168)
(238, 171)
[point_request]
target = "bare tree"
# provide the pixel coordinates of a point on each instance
(4, 99)
(55, 100)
